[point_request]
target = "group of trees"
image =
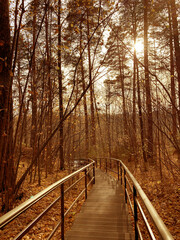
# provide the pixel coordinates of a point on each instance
(146, 83)
(72, 85)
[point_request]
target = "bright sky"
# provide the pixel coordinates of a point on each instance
(139, 46)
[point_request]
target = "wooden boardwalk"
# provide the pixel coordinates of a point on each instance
(104, 214)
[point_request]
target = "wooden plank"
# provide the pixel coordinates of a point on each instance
(104, 214)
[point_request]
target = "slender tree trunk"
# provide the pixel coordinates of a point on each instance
(93, 133)
(49, 92)
(100, 131)
(69, 147)
(134, 70)
(74, 123)
(122, 89)
(148, 88)
(140, 116)
(26, 108)
(173, 93)
(61, 152)
(108, 117)
(40, 124)
(84, 99)
(158, 144)
(6, 110)
(176, 46)
(34, 88)
(79, 133)
(134, 138)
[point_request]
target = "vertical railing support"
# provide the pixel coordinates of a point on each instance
(100, 163)
(106, 165)
(125, 185)
(62, 211)
(85, 183)
(135, 213)
(94, 173)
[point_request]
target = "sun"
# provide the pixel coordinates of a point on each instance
(139, 46)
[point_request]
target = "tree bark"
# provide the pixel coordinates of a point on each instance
(140, 116)
(84, 99)
(173, 92)
(108, 117)
(134, 68)
(148, 88)
(93, 133)
(120, 61)
(33, 86)
(61, 128)
(6, 110)
(176, 46)
(49, 91)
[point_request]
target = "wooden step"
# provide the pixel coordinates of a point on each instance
(98, 235)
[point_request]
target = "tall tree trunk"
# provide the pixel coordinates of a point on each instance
(176, 45)
(108, 89)
(100, 131)
(34, 88)
(84, 98)
(120, 61)
(133, 134)
(140, 115)
(134, 68)
(173, 93)
(74, 127)
(25, 134)
(79, 132)
(158, 142)
(40, 123)
(61, 151)
(49, 92)
(69, 141)
(148, 88)
(6, 112)
(93, 133)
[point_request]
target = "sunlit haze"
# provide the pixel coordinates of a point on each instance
(139, 46)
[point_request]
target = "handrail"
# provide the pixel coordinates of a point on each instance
(159, 224)
(11, 215)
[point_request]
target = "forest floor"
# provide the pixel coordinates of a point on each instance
(163, 193)
(49, 221)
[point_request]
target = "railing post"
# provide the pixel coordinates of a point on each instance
(135, 213)
(94, 173)
(125, 185)
(62, 211)
(85, 183)
(106, 165)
